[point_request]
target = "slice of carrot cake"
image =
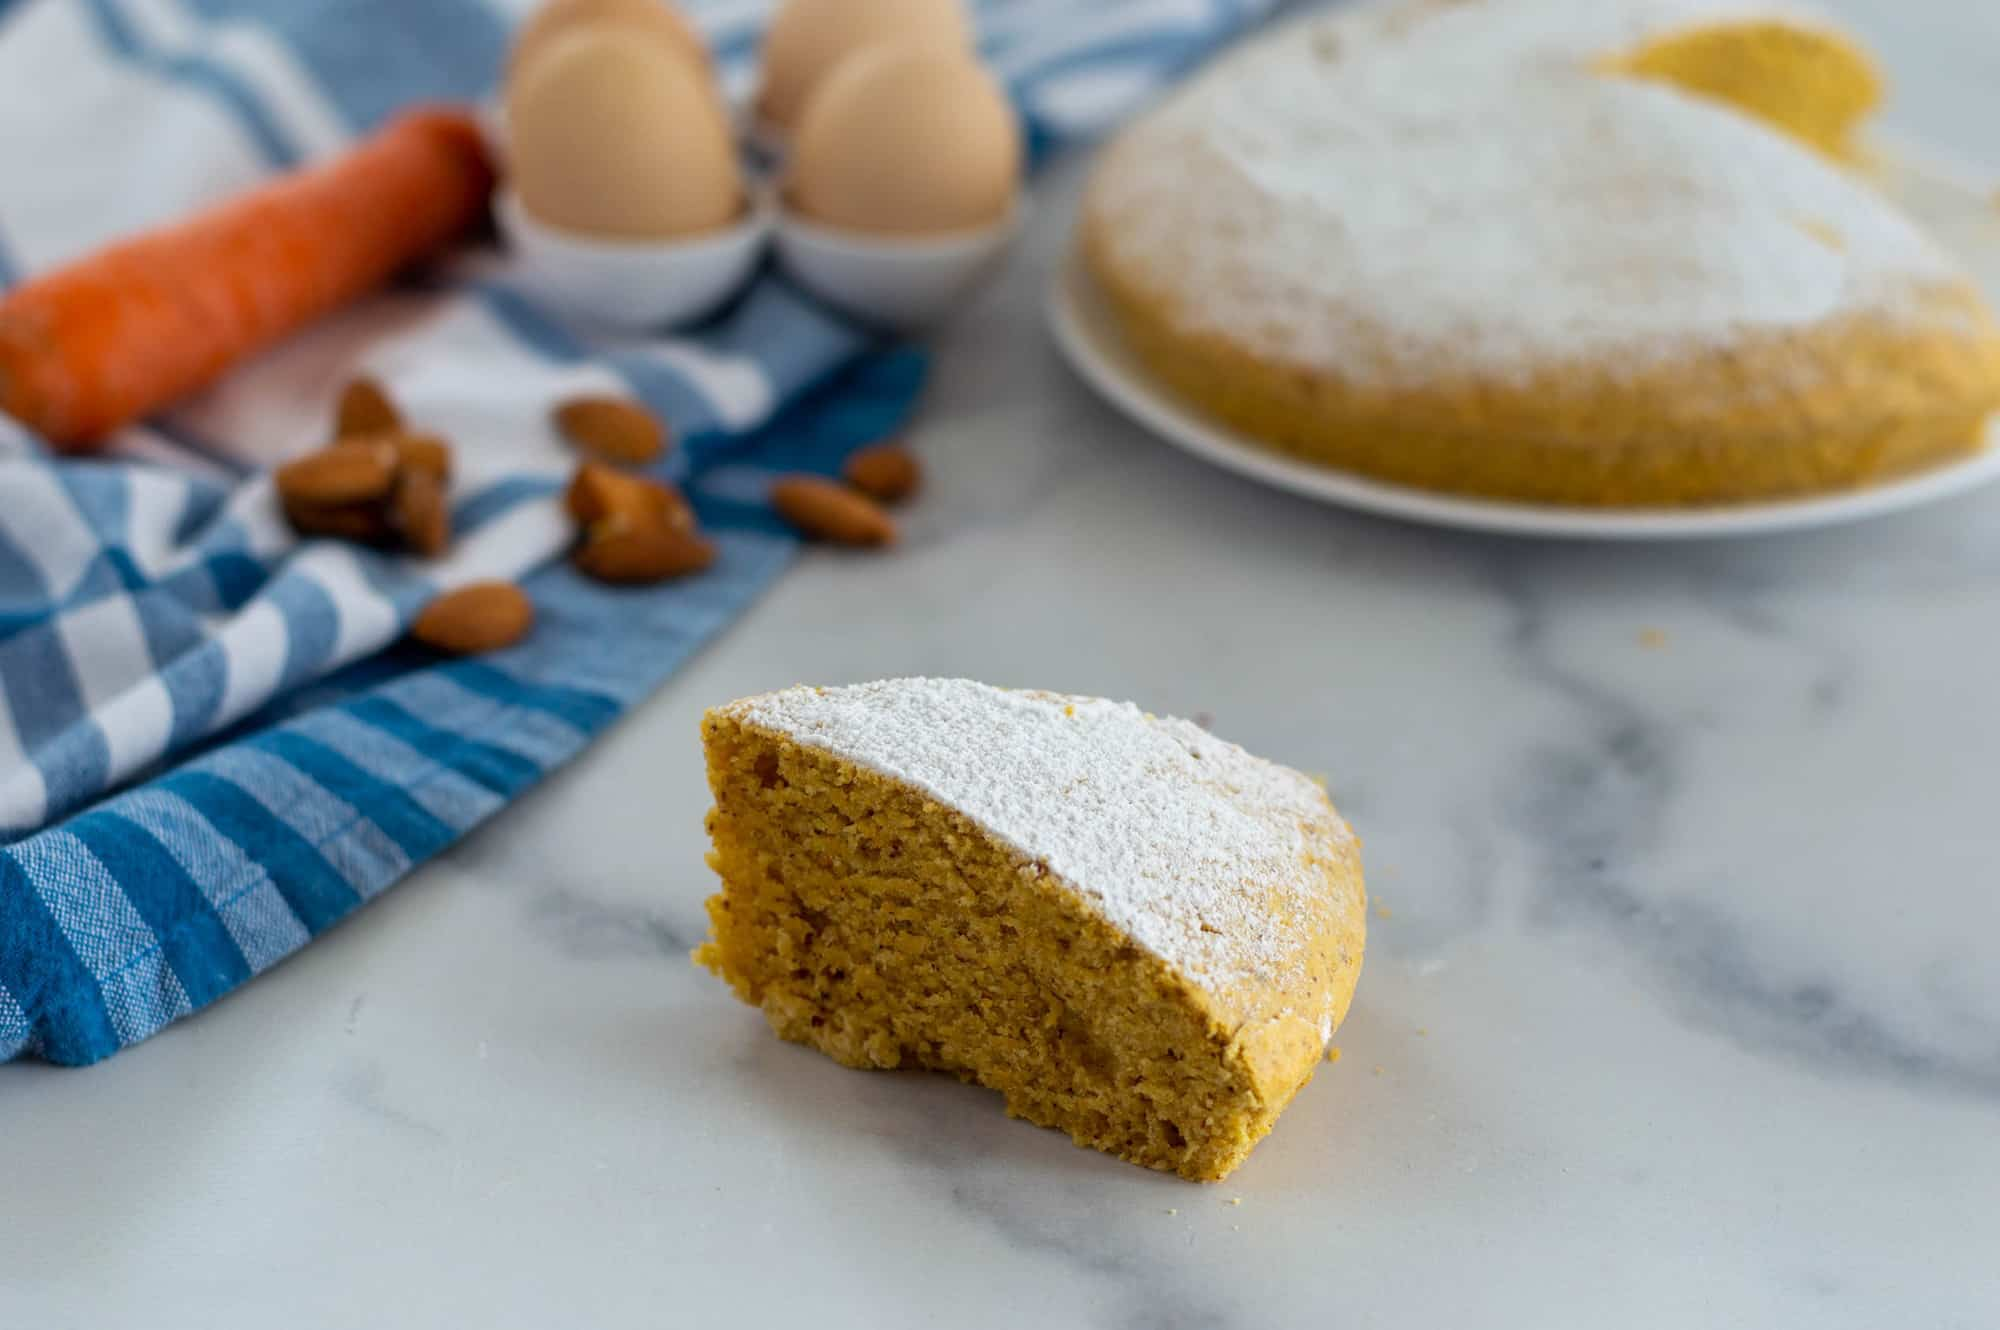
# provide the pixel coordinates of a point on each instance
(1136, 932)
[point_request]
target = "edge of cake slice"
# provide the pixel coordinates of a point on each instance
(1138, 933)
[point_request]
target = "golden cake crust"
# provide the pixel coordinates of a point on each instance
(1693, 430)
(1727, 318)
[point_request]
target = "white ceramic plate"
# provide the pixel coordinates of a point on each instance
(1944, 196)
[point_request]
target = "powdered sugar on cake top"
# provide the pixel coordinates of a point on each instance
(1457, 183)
(1186, 843)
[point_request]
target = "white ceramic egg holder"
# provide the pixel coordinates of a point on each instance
(896, 282)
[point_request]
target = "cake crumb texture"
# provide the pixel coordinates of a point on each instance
(1136, 932)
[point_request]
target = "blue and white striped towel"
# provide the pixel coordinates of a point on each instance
(211, 746)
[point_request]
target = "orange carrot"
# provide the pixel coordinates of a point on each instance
(125, 331)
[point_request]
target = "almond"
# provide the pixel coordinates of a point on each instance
(592, 493)
(343, 474)
(885, 472)
(419, 511)
(615, 429)
(481, 616)
(823, 510)
(423, 452)
(364, 409)
(619, 549)
(363, 523)
(598, 491)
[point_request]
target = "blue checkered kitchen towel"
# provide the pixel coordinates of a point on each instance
(211, 746)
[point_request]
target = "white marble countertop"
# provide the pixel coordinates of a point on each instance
(1682, 1008)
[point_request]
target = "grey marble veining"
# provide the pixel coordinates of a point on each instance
(1680, 1006)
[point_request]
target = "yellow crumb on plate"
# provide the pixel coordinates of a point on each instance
(1652, 638)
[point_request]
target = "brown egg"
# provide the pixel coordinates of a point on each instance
(658, 19)
(616, 137)
(809, 38)
(907, 141)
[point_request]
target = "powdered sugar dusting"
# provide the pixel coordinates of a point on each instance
(1184, 842)
(1457, 182)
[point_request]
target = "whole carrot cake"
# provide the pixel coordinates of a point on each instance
(1581, 251)
(1136, 932)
